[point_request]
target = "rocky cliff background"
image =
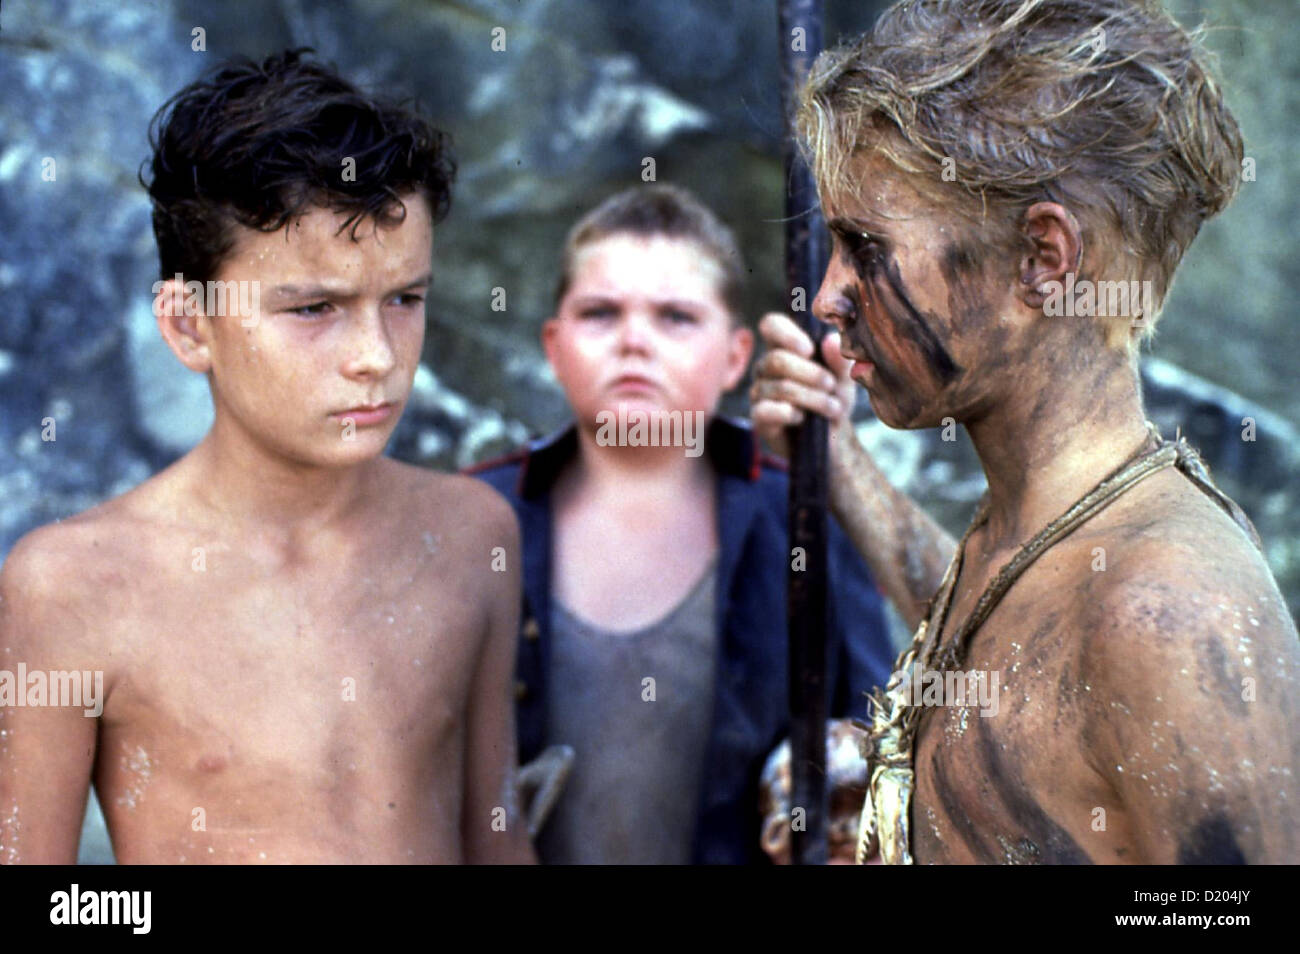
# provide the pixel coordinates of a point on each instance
(582, 93)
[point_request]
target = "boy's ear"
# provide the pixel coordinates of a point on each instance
(550, 327)
(1057, 249)
(183, 325)
(740, 348)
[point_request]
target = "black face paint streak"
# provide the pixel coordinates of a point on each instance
(956, 814)
(961, 267)
(1211, 842)
(1054, 844)
(876, 270)
(904, 334)
(932, 349)
(886, 374)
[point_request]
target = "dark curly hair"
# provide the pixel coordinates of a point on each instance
(257, 144)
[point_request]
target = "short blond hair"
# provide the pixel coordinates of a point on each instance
(1106, 106)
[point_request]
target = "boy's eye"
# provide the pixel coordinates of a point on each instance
(311, 311)
(597, 312)
(679, 317)
(862, 245)
(410, 300)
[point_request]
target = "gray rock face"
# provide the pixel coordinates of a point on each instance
(582, 95)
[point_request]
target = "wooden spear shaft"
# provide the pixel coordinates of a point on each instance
(805, 262)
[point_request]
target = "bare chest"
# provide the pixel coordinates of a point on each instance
(1001, 775)
(224, 676)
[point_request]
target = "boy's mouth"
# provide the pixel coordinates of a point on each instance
(860, 366)
(858, 353)
(635, 382)
(365, 415)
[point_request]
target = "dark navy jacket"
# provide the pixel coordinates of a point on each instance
(750, 715)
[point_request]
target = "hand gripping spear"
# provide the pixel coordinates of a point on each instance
(805, 260)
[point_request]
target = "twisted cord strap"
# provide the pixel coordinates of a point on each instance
(1193, 468)
(1093, 502)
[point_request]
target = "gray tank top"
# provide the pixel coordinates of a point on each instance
(637, 708)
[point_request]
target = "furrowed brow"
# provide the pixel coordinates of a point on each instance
(308, 291)
(423, 281)
(682, 304)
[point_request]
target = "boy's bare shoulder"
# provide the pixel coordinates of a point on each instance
(64, 572)
(461, 505)
(1191, 666)
(55, 555)
(1177, 572)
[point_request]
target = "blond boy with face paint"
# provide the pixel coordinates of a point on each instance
(976, 160)
(305, 650)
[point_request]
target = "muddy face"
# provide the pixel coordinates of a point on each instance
(906, 350)
(916, 298)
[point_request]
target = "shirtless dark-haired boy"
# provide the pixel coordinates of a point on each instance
(306, 647)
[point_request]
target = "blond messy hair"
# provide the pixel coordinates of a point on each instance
(1105, 106)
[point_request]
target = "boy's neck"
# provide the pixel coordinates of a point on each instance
(634, 472)
(1049, 445)
(247, 484)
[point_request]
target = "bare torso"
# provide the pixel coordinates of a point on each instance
(1128, 726)
(269, 702)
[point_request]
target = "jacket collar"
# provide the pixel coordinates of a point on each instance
(730, 443)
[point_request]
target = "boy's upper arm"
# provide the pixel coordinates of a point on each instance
(1198, 726)
(47, 752)
(493, 826)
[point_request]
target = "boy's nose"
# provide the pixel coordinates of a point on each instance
(370, 349)
(635, 333)
(821, 307)
(830, 304)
